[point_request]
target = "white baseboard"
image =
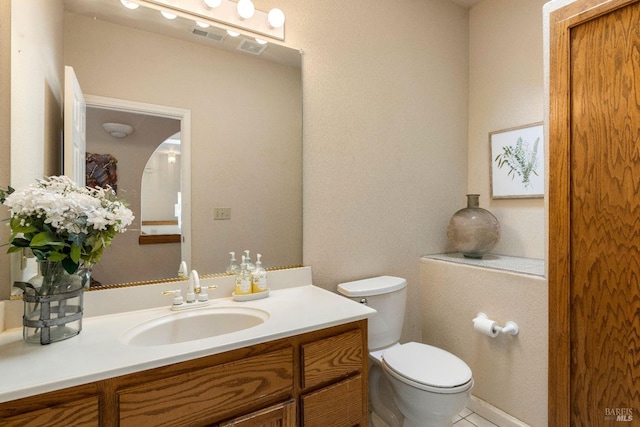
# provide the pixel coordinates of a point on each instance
(493, 414)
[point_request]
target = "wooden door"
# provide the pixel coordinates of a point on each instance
(594, 214)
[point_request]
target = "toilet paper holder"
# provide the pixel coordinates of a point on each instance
(509, 328)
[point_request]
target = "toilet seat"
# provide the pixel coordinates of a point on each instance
(427, 368)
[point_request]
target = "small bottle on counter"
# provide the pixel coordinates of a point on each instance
(247, 259)
(259, 277)
(243, 280)
(233, 265)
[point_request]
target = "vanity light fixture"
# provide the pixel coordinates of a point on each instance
(117, 130)
(275, 17)
(233, 33)
(260, 41)
(130, 4)
(168, 15)
(212, 4)
(246, 9)
(233, 14)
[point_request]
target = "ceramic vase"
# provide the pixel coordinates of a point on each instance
(53, 303)
(473, 231)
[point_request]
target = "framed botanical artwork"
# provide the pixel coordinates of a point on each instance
(517, 162)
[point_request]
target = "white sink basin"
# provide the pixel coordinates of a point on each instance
(194, 325)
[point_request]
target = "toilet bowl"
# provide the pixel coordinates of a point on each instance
(430, 385)
(412, 384)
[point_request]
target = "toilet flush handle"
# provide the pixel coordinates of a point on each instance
(363, 301)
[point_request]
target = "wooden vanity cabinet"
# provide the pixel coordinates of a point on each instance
(312, 379)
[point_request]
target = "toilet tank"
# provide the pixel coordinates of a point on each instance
(388, 296)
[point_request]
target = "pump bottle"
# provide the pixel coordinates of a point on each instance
(259, 277)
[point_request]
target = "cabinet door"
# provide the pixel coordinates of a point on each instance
(83, 412)
(281, 415)
(332, 359)
(339, 405)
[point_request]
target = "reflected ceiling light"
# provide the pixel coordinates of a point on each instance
(233, 33)
(246, 9)
(261, 41)
(275, 17)
(171, 157)
(202, 24)
(117, 130)
(129, 4)
(213, 3)
(168, 15)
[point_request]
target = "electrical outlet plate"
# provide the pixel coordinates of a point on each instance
(221, 213)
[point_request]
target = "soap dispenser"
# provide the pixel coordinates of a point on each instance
(259, 277)
(233, 266)
(243, 280)
(247, 258)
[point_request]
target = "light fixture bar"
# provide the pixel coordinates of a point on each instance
(226, 14)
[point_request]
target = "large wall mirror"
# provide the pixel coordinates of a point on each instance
(245, 134)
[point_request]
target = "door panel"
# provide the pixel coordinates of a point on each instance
(594, 215)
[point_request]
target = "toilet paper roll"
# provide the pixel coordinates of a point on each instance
(486, 326)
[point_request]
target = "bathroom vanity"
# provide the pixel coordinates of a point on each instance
(305, 365)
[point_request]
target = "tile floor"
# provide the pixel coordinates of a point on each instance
(468, 418)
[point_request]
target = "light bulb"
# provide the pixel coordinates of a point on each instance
(202, 24)
(233, 33)
(168, 15)
(261, 41)
(246, 9)
(275, 18)
(129, 4)
(213, 3)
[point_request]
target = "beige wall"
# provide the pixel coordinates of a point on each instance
(510, 372)
(506, 89)
(36, 80)
(385, 140)
(5, 138)
(241, 155)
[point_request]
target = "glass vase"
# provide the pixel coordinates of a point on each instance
(53, 303)
(474, 231)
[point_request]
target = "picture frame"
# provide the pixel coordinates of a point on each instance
(517, 162)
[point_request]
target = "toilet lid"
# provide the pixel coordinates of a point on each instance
(427, 365)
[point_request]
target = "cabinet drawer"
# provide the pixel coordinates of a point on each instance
(339, 405)
(281, 415)
(332, 358)
(209, 394)
(83, 412)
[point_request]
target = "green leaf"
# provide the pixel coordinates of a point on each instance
(45, 238)
(56, 256)
(75, 253)
(17, 228)
(70, 266)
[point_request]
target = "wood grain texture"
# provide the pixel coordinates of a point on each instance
(281, 415)
(605, 215)
(594, 230)
(331, 359)
(81, 413)
(210, 393)
(338, 405)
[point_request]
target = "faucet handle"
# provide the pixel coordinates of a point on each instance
(177, 296)
(202, 295)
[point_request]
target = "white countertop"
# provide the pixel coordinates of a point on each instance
(98, 353)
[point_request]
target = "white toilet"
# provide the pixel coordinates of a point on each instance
(412, 384)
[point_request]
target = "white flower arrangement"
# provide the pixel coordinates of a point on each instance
(62, 222)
